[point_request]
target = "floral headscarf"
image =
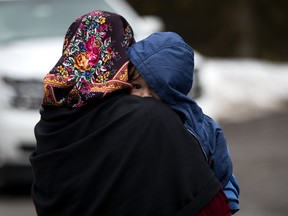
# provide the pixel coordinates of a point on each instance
(94, 61)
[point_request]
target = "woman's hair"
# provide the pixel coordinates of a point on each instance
(94, 61)
(133, 74)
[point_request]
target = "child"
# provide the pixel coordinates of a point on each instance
(166, 63)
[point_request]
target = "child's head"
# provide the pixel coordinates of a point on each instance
(139, 86)
(166, 63)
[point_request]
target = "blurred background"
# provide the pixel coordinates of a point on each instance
(235, 28)
(241, 80)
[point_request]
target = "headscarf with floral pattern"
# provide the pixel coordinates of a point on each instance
(94, 61)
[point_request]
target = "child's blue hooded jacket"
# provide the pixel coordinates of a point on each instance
(166, 63)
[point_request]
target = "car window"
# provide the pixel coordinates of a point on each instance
(22, 19)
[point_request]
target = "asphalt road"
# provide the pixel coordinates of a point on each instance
(259, 149)
(16, 201)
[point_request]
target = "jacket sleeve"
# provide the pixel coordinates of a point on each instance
(232, 192)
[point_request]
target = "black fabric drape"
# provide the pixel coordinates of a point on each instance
(124, 155)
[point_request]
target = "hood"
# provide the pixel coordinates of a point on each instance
(166, 62)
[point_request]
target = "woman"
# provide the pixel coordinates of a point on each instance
(101, 151)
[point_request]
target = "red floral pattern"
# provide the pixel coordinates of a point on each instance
(94, 61)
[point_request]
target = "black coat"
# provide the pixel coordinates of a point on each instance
(124, 155)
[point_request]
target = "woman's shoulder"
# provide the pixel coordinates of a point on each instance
(139, 105)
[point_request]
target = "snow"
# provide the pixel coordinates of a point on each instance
(242, 89)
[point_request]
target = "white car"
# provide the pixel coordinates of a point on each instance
(31, 38)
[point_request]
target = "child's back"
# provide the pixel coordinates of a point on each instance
(166, 63)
